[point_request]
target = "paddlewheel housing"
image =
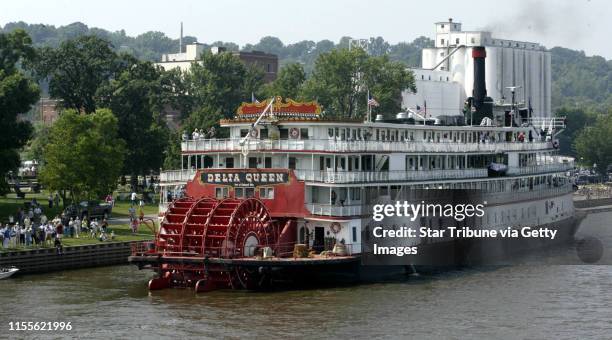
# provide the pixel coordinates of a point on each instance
(205, 229)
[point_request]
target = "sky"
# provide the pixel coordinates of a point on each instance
(579, 24)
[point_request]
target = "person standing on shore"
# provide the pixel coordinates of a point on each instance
(133, 198)
(6, 236)
(28, 236)
(59, 231)
(56, 200)
(50, 201)
(132, 213)
(77, 227)
(70, 227)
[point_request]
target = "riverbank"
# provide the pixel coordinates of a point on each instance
(44, 260)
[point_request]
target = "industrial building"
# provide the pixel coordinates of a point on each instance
(446, 78)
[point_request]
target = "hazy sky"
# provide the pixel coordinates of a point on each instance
(579, 24)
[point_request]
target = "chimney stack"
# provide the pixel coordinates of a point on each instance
(181, 39)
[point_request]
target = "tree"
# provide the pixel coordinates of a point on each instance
(576, 120)
(378, 46)
(594, 144)
(288, 83)
(342, 78)
(386, 80)
(36, 145)
(218, 82)
(77, 69)
(172, 154)
(136, 97)
(218, 85)
(17, 94)
(84, 155)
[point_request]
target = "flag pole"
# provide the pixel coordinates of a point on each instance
(369, 107)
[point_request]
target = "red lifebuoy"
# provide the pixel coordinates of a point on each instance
(294, 133)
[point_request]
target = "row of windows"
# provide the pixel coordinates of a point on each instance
(283, 133)
(393, 135)
(264, 192)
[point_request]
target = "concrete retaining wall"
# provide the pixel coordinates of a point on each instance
(47, 260)
(596, 202)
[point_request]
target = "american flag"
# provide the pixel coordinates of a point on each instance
(372, 102)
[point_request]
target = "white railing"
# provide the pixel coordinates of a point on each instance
(543, 168)
(176, 176)
(332, 145)
(336, 210)
(386, 176)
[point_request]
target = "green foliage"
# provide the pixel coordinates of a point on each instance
(218, 82)
(341, 79)
(576, 120)
(77, 69)
(136, 97)
(218, 85)
(17, 94)
(172, 154)
(594, 144)
(36, 145)
(84, 154)
(288, 83)
(580, 81)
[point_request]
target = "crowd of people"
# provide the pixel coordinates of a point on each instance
(32, 227)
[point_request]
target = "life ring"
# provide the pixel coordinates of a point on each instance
(335, 227)
(294, 133)
(556, 144)
(253, 133)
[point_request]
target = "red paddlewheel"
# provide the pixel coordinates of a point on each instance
(209, 228)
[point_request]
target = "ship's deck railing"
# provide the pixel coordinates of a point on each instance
(352, 210)
(543, 168)
(182, 176)
(387, 176)
(357, 146)
(176, 176)
(337, 210)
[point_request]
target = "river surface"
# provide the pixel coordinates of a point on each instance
(535, 301)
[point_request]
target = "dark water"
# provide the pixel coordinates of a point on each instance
(536, 301)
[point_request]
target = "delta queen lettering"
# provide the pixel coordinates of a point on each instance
(244, 178)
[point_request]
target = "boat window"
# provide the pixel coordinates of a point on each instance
(330, 132)
(239, 193)
(221, 192)
(355, 194)
(244, 132)
(304, 133)
(263, 133)
(354, 234)
(266, 193)
(267, 162)
(284, 133)
(229, 162)
(292, 162)
(249, 192)
(253, 162)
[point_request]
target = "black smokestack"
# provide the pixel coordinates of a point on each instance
(480, 89)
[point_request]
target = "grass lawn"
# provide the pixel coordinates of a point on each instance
(10, 203)
(122, 234)
(121, 209)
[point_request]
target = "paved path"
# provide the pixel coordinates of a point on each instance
(126, 220)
